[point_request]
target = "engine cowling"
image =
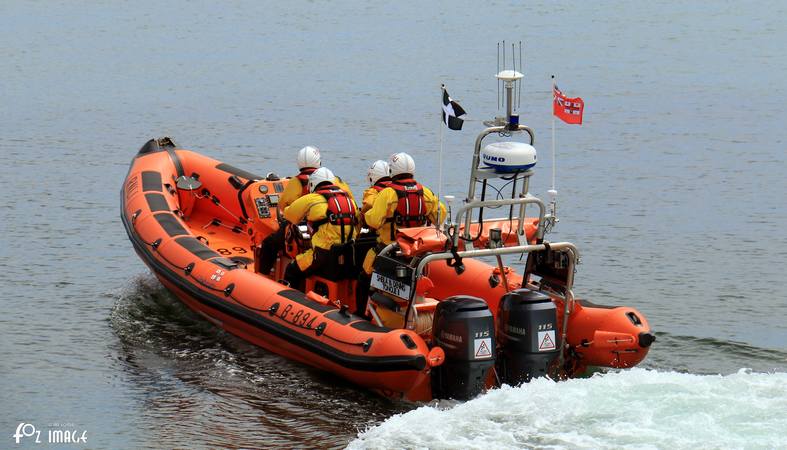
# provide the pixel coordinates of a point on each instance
(527, 336)
(465, 329)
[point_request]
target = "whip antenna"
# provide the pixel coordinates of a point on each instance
(498, 71)
(513, 65)
(519, 82)
(504, 61)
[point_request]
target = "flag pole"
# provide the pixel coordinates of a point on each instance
(553, 133)
(440, 163)
(553, 192)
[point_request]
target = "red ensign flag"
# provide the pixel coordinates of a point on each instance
(568, 110)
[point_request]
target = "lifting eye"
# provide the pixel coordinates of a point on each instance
(633, 318)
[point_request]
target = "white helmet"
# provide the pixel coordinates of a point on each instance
(378, 169)
(320, 175)
(308, 157)
(401, 163)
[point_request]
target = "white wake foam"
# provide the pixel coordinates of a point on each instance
(635, 408)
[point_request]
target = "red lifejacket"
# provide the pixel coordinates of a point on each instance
(380, 185)
(411, 208)
(341, 210)
(303, 177)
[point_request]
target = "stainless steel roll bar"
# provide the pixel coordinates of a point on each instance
(477, 156)
(558, 246)
(526, 199)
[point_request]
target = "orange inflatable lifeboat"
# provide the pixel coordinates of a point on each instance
(444, 323)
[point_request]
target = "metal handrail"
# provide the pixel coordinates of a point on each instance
(559, 246)
(527, 199)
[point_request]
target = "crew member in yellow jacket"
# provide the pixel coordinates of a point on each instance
(332, 217)
(308, 160)
(379, 177)
(403, 203)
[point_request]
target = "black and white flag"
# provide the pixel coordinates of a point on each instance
(451, 112)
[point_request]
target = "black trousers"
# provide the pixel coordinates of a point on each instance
(271, 246)
(362, 293)
(295, 276)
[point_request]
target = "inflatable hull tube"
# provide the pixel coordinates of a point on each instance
(251, 306)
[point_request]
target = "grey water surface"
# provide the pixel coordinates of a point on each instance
(674, 187)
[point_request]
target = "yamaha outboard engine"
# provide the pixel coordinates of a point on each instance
(465, 329)
(526, 333)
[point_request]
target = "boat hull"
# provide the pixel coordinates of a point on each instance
(196, 222)
(255, 308)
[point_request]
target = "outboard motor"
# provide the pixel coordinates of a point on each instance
(526, 333)
(465, 329)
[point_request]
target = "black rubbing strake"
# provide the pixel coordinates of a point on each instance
(196, 247)
(242, 260)
(239, 172)
(365, 325)
(588, 304)
(343, 319)
(151, 181)
(225, 263)
(300, 297)
(171, 224)
(157, 202)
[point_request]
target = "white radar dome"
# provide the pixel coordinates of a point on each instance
(509, 156)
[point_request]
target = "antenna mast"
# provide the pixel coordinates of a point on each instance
(519, 157)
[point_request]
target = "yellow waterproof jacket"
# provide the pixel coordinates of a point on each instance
(313, 207)
(369, 196)
(384, 207)
(294, 190)
(368, 199)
